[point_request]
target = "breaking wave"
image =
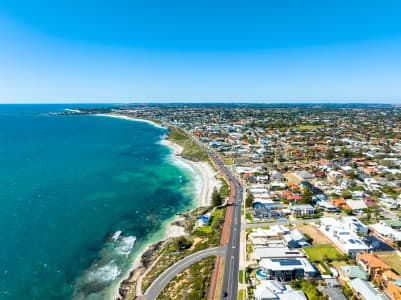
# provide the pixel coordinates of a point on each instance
(112, 260)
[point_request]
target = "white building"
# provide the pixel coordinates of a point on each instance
(386, 232)
(345, 239)
(274, 290)
(355, 226)
(260, 253)
(287, 269)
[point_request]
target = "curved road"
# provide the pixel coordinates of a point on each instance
(158, 285)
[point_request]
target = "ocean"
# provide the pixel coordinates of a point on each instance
(80, 196)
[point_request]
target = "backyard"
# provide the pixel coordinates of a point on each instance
(392, 259)
(318, 253)
(318, 237)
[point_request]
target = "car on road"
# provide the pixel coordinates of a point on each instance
(225, 294)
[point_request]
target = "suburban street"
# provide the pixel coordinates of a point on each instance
(158, 285)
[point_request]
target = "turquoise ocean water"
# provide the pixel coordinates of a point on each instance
(79, 196)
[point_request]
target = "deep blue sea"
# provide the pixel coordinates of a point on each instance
(79, 196)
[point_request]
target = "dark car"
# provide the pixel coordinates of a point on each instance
(225, 294)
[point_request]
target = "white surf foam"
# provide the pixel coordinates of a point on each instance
(107, 272)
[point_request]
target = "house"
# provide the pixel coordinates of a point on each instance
(389, 202)
(262, 178)
(390, 275)
(345, 239)
(267, 211)
(273, 234)
(364, 290)
(334, 294)
(395, 224)
(287, 269)
(326, 206)
(386, 233)
(260, 253)
(331, 282)
(394, 289)
(202, 221)
(356, 205)
(302, 210)
(304, 175)
(369, 202)
(354, 225)
(370, 171)
(295, 239)
(351, 272)
(274, 290)
(339, 203)
(373, 265)
(276, 176)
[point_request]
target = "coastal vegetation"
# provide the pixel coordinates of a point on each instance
(192, 283)
(198, 239)
(224, 189)
(214, 222)
(191, 150)
(217, 199)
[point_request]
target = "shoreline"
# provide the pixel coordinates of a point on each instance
(118, 116)
(173, 228)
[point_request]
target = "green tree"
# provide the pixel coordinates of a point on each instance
(249, 200)
(346, 194)
(182, 243)
(217, 200)
(348, 212)
(306, 196)
(330, 154)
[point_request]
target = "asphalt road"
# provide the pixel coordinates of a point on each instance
(158, 285)
(231, 266)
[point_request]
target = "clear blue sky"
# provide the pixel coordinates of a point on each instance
(200, 51)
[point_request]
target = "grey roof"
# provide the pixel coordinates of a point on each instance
(334, 294)
(354, 272)
(267, 252)
(301, 206)
(364, 289)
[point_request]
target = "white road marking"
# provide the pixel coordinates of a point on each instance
(234, 236)
(230, 282)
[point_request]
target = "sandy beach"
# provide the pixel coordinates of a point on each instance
(203, 169)
(208, 182)
(130, 118)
